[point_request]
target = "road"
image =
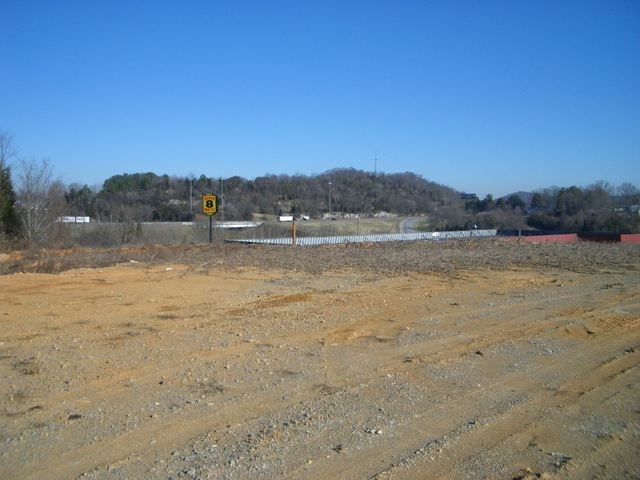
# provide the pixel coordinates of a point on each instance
(408, 225)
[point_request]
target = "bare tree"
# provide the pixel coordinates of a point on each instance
(629, 193)
(7, 149)
(40, 200)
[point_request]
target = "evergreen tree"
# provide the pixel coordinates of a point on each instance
(8, 217)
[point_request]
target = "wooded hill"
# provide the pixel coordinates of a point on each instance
(142, 197)
(149, 197)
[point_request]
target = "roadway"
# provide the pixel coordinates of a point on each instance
(408, 225)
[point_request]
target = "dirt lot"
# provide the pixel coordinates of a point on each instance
(471, 359)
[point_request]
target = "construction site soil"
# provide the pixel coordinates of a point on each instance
(468, 359)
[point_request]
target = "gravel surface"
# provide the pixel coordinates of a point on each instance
(462, 360)
(393, 257)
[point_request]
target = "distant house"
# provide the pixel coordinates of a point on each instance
(69, 219)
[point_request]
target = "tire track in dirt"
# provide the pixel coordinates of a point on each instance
(524, 420)
(161, 436)
(593, 365)
(357, 337)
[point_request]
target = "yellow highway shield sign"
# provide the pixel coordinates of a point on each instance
(209, 204)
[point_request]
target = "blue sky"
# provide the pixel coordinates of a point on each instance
(483, 96)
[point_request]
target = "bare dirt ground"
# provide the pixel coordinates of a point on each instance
(460, 360)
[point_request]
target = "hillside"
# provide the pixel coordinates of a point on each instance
(144, 197)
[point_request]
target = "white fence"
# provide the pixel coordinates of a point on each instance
(387, 237)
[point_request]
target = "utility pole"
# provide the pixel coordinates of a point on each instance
(222, 202)
(329, 199)
(375, 163)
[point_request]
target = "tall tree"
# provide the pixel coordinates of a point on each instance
(41, 200)
(628, 194)
(8, 217)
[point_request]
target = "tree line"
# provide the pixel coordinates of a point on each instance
(29, 212)
(599, 207)
(144, 197)
(151, 197)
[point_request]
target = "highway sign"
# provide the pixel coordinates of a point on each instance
(209, 204)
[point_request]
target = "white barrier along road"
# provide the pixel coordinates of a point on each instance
(387, 237)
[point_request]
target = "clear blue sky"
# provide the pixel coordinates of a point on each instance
(483, 96)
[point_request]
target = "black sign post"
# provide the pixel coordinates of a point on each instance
(210, 208)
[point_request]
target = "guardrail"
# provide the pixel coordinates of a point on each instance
(377, 238)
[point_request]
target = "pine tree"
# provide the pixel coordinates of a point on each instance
(9, 222)
(8, 216)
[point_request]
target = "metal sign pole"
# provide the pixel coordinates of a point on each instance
(209, 208)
